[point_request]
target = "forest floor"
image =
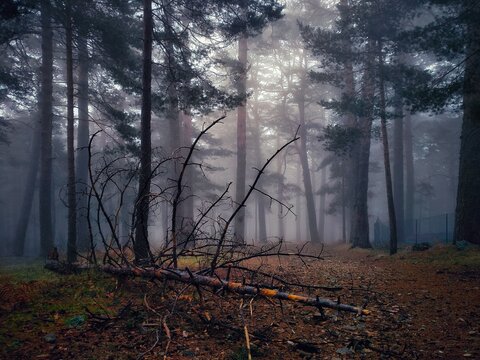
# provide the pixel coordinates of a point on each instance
(423, 305)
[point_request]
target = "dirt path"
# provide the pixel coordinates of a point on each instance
(430, 302)
(423, 305)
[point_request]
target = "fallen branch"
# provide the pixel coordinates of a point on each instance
(216, 283)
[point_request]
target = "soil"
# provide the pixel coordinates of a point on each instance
(423, 305)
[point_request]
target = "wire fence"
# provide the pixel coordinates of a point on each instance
(432, 229)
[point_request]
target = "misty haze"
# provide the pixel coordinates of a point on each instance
(239, 179)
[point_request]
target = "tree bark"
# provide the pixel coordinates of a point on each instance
(360, 225)
(71, 186)
(467, 225)
(321, 208)
(262, 226)
(281, 168)
(241, 138)
(29, 194)
(303, 155)
(174, 118)
(398, 167)
(409, 177)
(188, 277)
(386, 157)
(83, 136)
(46, 104)
(188, 190)
(298, 207)
(141, 245)
(350, 168)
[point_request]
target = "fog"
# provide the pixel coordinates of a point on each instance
(292, 85)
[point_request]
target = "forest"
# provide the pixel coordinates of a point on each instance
(239, 179)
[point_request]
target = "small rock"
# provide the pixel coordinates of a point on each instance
(188, 353)
(50, 338)
(345, 351)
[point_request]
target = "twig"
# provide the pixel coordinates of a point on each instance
(151, 348)
(247, 342)
(242, 203)
(167, 333)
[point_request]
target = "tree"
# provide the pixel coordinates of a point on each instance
(338, 52)
(365, 31)
(467, 226)
(15, 23)
(27, 200)
(453, 36)
(409, 177)
(260, 198)
(17, 18)
(286, 82)
(241, 135)
(398, 166)
(71, 186)
(83, 136)
(322, 207)
(46, 89)
(386, 155)
(141, 245)
(302, 153)
(359, 232)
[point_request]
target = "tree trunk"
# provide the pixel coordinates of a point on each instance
(141, 245)
(83, 136)
(409, 178)
(174, 118)
(344, 207)
(46, 100)
(298, 207)
(215, 282)
(29, 194)
(398, 166)
(188, 191)
(386, 158)
(359, 234)
(302, 153)
(241, 139)
(281, 168)
(350, 168)
(467, 225)
(321, 208)
(72, 193)
(262, 226)
(280, 197)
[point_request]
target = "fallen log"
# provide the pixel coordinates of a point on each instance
(188, 277)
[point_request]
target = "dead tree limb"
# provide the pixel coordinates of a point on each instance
(213, 282)
(242, 204)
(180, 188)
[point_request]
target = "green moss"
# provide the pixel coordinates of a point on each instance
(30, 270)
(10, 344)
(49, 301)
(445, 256)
